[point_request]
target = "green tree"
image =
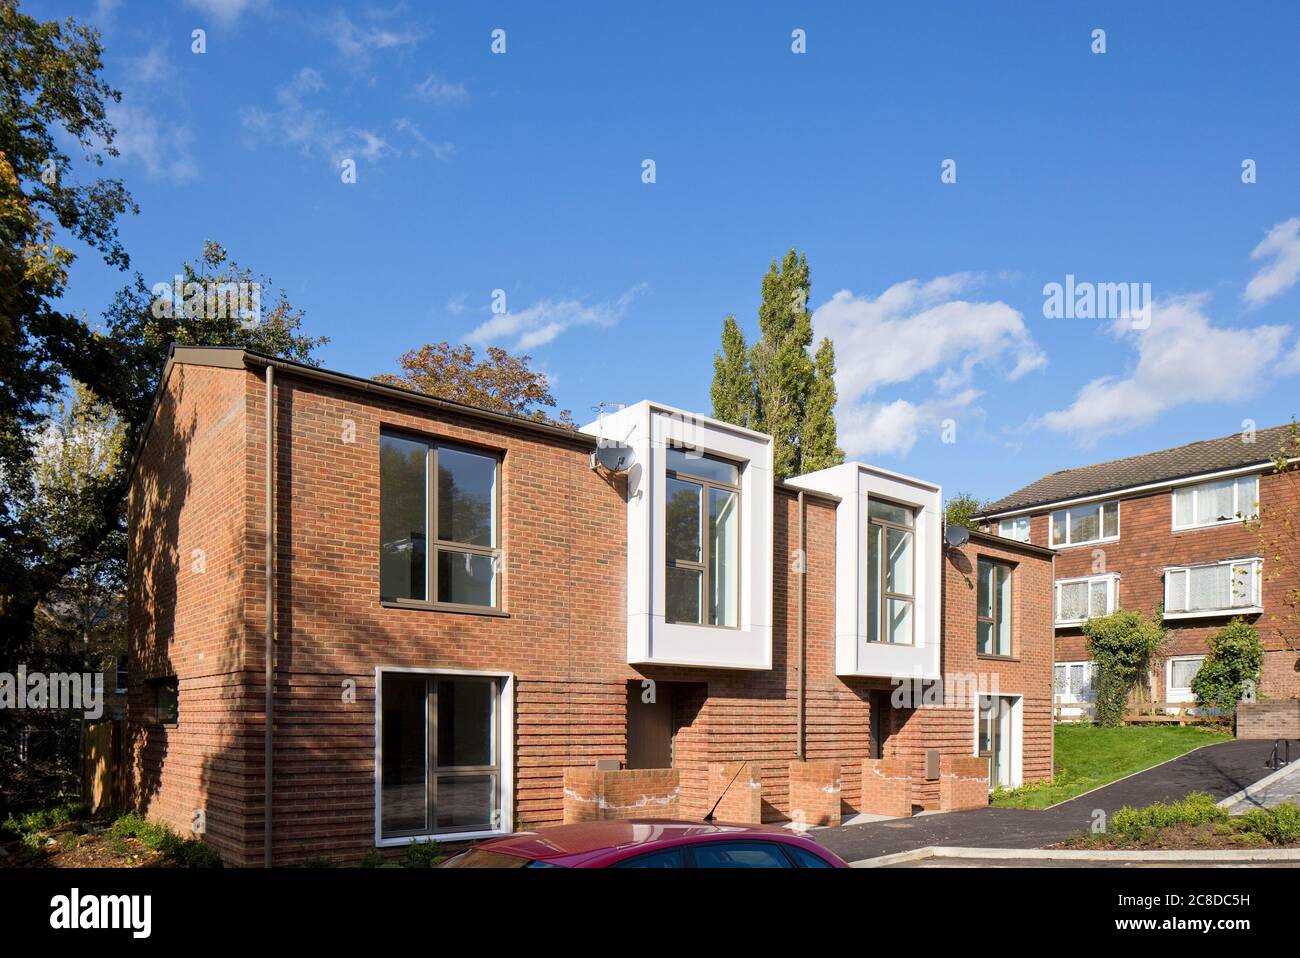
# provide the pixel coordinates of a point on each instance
(1123, 645)
(961, 510)
(819, 448)
(778, 387)
(1234, 661)
(732, 392)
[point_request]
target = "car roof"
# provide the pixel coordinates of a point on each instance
(574, 844)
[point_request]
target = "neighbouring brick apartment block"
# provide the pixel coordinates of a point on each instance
(1171, 534)
(483, 623)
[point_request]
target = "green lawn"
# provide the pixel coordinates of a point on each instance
(1088, 756)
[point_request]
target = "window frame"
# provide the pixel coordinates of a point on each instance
(1112, 597)
(153, 711)
(885, 595)
(702, 566)
(435, 544)
(1256, 596)
(994, 603)
(1238, 514)
(1028, 521)
(503, 718)
(1169, 676)
(1090, 668)
(1101, 524)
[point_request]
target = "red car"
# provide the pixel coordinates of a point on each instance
(649, 843)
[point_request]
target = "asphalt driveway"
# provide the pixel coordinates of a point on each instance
(1221, 770)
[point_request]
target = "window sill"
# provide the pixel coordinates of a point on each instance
(1070, 623)
(1216, 613)
(1066, 547)
(1235, 521)
(442, 607)
(997, 658)
(444, 837)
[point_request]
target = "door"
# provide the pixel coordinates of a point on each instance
(649, 726)
(994, 739)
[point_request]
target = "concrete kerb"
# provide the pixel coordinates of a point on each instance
(1209, 856)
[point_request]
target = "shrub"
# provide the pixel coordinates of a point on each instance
(187, 852)
(1122, 644)
(1279, 825)
(1139, 823)
(372, 859)
(422, 854)
(1235, 659)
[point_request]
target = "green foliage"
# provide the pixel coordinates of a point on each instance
(1123, 645)
(777, 386)
(40, 820)
(1139, 824)
(961, 510)
(733, 391)
(317, 861)
(422, 854)
(819, 448)
(1279, 825)
(1235, 659)
(186, 852)
(372, 859)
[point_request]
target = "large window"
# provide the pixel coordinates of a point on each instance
(1179, 672)
(438, 537)
(993, 608)
(891, 572)
(703, 539)
(1207, 589)
(1078, 600)
(1095, 522)
(440, 756)
(1216, 503)
(1017, 528)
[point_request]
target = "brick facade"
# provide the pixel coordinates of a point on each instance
(1269, 720)
(1146, 545)
(198, 485)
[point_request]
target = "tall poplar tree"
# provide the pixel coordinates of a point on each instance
(733, 393)
(819, 447)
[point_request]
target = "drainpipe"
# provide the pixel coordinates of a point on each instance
(800, 749)
(270, 611)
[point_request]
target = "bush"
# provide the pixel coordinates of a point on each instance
(1235, 659)
(187, 852)
(1279, 825)
(372, 859)
(1140, 823)
(1122, 644)
(422, 854)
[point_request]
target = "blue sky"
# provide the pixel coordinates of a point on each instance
(522, 172)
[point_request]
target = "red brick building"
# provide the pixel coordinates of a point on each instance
(483, 623)
(1166, 534)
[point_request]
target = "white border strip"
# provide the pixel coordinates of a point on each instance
(1083, 855)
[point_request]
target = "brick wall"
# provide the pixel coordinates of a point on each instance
(592, 795)
(1147, 544)
(886, 787)
(1269, 720)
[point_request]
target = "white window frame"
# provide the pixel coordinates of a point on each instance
(1236, 517)
(505, 730)
(1112, 596)
(1253, 606)
(1179, 693)
(1100, 506)
(1015, 521)
(1067, 697)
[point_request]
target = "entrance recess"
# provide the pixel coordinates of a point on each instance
(997, 738)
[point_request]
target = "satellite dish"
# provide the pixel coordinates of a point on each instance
(614, 456)
(956, 536)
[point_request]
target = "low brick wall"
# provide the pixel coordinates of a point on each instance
(591, 795)
(740, 787)
(963, 783)
(1277, 718)
(886, 787)
(815, 790)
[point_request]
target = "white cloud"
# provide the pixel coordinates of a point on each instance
(440, 150)
(442, 92)
(927, 332)
(1182, 358)
(916, 329)
(311, 128)
(1282, 248)
(163, 149)
(357, 42)
(227, 11)
(892, 428)
(546, 319)
(150, 67)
